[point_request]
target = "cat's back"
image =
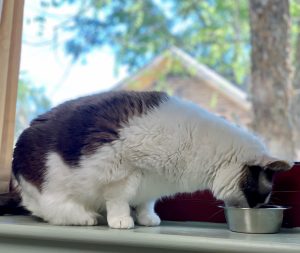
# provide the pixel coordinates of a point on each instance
(78, 127)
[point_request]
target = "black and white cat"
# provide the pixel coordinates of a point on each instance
(116, 150)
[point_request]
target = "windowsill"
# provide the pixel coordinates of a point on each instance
(25, 234)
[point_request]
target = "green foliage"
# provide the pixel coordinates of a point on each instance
(217, 35)
(31, 102)
(295, 29)
(216, 32)
(213, 101)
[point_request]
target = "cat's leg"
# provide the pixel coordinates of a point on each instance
(54, 208)
(146, 215)
(58, 210)
(118, 196)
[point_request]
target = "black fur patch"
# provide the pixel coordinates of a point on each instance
(250, 185)
(78, 127)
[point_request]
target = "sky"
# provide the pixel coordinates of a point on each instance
(51, 68)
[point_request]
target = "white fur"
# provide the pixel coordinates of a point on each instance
(177, 147)
(265, 185)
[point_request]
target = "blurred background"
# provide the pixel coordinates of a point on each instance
(239, 59)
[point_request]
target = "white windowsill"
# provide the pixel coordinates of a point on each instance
(25, 234)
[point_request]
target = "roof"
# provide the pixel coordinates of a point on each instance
(201, 72)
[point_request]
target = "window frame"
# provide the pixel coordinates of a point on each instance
(11, 21)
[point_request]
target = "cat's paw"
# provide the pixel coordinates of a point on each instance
(87, 222)
(91, 221)
(125, 222)
(84, 220)
(149, 219)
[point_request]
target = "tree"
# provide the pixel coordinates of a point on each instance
(214, 32)
(295, 100)
(271, 73)
(31, 102)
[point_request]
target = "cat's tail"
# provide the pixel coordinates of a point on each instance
(10, 203)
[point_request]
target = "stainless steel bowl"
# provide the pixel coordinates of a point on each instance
(263, 220)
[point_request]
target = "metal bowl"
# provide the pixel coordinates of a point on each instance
(266, 219)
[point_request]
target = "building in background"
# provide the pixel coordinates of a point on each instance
(179, 74)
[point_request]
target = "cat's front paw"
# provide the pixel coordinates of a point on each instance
(125, 222)
(85, 219)
(148, 219)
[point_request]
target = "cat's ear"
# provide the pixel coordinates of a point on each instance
(275, 164)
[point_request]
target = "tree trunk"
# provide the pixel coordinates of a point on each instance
(271, 74)
(295, 103)
(296, 81)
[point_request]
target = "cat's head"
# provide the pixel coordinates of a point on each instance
(257, 180)
(254, 184)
